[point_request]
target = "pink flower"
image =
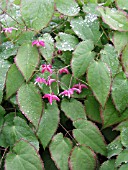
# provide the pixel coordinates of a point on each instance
(9, 30)
(46, 68)
(69, 92)
(63, 70)
(80, 86)
(38, 43)
(40, 80)
(50, 81)
(51, 97)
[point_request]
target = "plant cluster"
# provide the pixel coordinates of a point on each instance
(64, 84)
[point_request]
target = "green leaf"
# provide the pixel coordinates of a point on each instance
(124, 167)
(7, 49)
(110, 164)
(91, 8)
(73, 109)
(87, 29)
(121, 126)
(37, 14)
(2, 112)
(17, 129)
(114, 148)
(99, 80)
(120, 92)
(124, 136)
(66, 42)
(82, 56)
(116, 19)
(120, 40)
(122, 158)
(111, 116)
(82, 158)
(110, 57)
(30, 103)
(47, 52)
(13, 81)
(122, 4)
(92, 109)
(23, 156)
(48, 124)
(27, 60)
(67, 7)
(60, 149)
(124, 60)
(25, 37)
(4, 66)
(88, 133)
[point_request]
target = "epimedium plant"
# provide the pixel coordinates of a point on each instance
(63, 85)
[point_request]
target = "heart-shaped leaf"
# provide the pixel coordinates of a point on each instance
(67, 7)
(48, 124)
(60, 149)
(14, 76)
(87, 29)
(37, 14)
(82, 56)
(27, 60)
(88, 133)
(82, 158)
(30, 103)
(99, 79)
(23, 156)
(73, 109)
(116, 19)
(120, 91)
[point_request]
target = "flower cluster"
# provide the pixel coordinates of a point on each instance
(48, 68)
